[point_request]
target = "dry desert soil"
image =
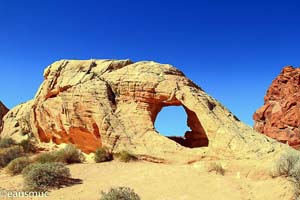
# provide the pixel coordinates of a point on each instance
(164, 182)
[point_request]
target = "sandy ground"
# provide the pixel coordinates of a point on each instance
(162, 182)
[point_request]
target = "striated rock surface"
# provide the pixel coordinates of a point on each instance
(17, 122)
(279, 117)
(114, 103)
(3, 111)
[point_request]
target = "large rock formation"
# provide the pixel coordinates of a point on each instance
(279, 117)
(3, 111)
(114, 103)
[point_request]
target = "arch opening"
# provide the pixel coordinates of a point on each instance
(181, 125)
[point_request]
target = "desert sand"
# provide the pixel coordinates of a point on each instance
(164, 182)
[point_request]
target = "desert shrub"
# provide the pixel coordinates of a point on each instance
(286, 164)
(48, 157)
(120, 193)
(102, 155)
(6, 142)
(126, 156)
(9, 154)
(294, 177)
(17, 165)
(70, 154)
(216, 167)
(42, 177)
(28, 146)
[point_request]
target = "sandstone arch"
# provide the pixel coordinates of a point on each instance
(114, 103)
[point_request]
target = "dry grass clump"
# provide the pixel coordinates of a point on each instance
(70, 154)
(10, 151)
(6, 142)
(288, 166)
(216, 167)
(120, 193)
(47, 157)
(17, 165)
(28, 146)
(125, 156)
(9, 154)
(103, 155)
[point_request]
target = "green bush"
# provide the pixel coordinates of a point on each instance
(17, 165)
(48, 157)
(103, 155)
(28, 146)
(6, 142)
(9, 154)
(120, 193)
(42, 177)
(125, 156)
(216, 167)
(70, 154)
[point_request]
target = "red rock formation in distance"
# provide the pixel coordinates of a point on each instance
(3, 111)
(279, 117)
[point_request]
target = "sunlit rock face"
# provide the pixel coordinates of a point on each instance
(279, 117)
(114, 103)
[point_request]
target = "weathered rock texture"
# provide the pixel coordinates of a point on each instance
(279, 117)
(114, 103)
(3, 111)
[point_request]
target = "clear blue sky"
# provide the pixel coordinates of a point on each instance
(232, 49)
